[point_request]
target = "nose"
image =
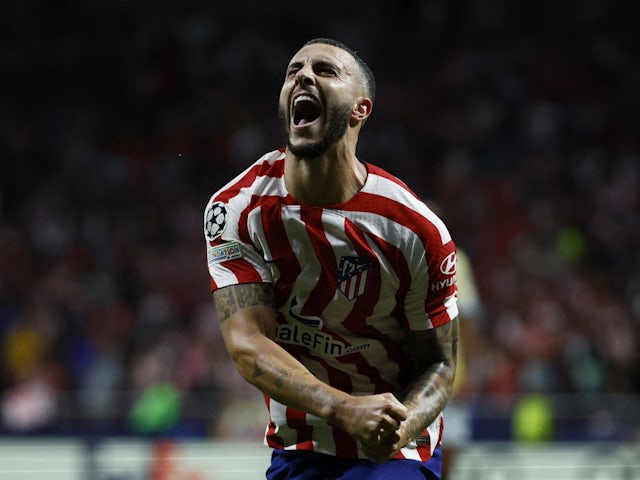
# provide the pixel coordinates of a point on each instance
(305, 75)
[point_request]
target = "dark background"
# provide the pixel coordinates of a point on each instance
(118, 120)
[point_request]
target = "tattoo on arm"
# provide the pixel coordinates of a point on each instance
(436, 347)
(435, 360)
(229, 300)
(280, 379)
(447, 339)
(263, 364)
(257, 372)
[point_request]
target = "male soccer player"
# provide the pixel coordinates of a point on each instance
(334, 286)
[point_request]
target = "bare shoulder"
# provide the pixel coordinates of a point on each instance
(229, 300)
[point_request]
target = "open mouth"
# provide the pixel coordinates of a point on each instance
(306, 109)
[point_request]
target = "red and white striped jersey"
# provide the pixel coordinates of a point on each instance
(350, 280)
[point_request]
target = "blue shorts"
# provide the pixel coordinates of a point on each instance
(305, 465)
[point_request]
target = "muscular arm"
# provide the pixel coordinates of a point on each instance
(434, 355)
(247, 319)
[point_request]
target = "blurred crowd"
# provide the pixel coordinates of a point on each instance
(520, 120)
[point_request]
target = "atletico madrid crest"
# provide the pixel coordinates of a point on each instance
(352, 276)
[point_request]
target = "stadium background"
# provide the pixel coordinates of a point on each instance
(521, 120)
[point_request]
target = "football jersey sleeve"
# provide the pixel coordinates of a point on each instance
(432, 298)
(441, 302)
(231, 259)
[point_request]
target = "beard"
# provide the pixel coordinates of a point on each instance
(337, 121)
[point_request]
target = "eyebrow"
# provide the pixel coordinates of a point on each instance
(315, 64)
(293, 65)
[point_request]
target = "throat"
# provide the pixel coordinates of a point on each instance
(316, 186)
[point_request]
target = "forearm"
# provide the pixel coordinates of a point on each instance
(435, 354)
(248, 323)
(282, 377)
(427, 396)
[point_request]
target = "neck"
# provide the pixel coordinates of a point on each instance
(330, 179)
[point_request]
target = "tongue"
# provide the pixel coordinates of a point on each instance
(305, 112)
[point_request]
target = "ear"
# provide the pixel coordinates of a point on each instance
(361, 110)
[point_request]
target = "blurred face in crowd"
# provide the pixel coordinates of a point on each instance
(321, 88)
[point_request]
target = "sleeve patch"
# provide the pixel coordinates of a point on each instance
(222, 253)
(215, 219)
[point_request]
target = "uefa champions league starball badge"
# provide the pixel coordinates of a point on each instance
(215, 220)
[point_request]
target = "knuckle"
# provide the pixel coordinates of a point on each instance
(389, 400)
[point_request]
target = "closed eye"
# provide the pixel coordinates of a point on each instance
(322, 68)
(325, 68)
(293, 69)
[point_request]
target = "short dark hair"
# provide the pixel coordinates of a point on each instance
(367, 75)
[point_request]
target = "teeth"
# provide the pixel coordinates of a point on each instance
(303, 97)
